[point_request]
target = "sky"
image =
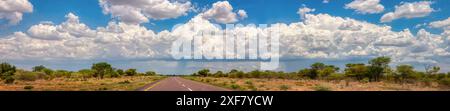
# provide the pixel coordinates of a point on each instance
(73, 34)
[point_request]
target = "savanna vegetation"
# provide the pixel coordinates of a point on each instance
(101, 76)
(376, 75)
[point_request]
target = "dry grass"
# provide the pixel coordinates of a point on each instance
(252, 84)
(91, 84)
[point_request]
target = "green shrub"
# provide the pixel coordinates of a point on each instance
(7, 72)
(365, 80)
(284, 87)
(150, 73)
(248, 82)
(321, 88)
(9, 80)
(252, 88)
(235, 86)
(427, 81)
(125, 82)
(224, 83)
(335, 76)
(445, 82)
(62, 73)
(30, 76)
(130, 72)
(28, 87)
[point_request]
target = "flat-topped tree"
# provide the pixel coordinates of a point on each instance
(377, 67)
(101, 69)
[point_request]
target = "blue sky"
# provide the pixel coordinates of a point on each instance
(258, 12)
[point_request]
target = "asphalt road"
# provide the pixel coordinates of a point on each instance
(179, 84)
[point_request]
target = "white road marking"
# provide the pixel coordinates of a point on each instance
(179, 82)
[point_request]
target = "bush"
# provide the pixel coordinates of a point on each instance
(248, 82)
(445, 82)
(130, 72)
(125, 82)
(30, 76)
(7, 72)
(235, 86)
(335, 76)
(39, 68)
(427, 81)
(62, 73)
(150, 73)
(9, 80)
(203, 72)
(28, 87)
(207, 80)
(321, 88)
(284, 87)
(365, 80)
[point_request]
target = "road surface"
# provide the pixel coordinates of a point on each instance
(179, 84)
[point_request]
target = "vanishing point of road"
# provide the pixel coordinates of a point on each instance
(179, 84)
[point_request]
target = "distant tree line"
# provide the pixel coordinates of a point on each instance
(9, 73)
(376, 70)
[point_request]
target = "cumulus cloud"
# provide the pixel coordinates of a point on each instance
(366, 6)
(141, 11)
(70, 28)
(409, 10)
(222, 12)
(303, 11)
(12, 10)
(444, 24)
(242, 14)
(317, 36)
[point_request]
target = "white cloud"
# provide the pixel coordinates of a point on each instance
(317, 36)
(366, 6)
(12, 10)
(326, 1)
(141, 11)
(303, 11)
(71, 27)
(444, 24)
(409, 10)
(242, 14)
(222, 12)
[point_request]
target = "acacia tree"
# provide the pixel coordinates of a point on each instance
(39, 68)
(131, 72)
(431, 70)
(7, 72)
(320, 70)
(120, 72)
(314, 72)
(203, 72)
(357, 71)
(101, 69)
(377, 67)
(405, 71)
(328, 70)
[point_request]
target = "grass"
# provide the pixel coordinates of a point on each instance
(126, 83)
(284, 87)
(256, 84)
(321, 88)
